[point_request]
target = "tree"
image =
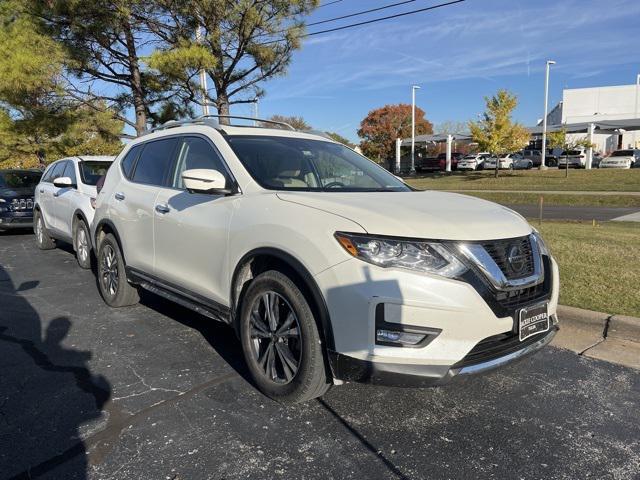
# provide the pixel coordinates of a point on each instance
(559, 139)
(36, 118)
(247, 41)
(102, 40)
(339, 138)
(495, 132)
(298, 123)
(381, 127)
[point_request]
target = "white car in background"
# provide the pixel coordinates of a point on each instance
(506, 161)
(575, 159)
(473, 161)
(621, 159)
(64, 203)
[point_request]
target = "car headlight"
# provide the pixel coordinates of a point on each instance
(421, 256)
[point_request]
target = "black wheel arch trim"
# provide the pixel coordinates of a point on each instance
(80, 213)
(114, 231)
(297, 266)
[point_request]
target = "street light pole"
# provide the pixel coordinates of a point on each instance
(203, 78)
(413, 129)
(544, 119)
(635, 141)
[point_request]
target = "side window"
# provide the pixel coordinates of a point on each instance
(195, 152)
(155, 161)
(129, 160)
(57, 171)
(47, 174)
(70, 171)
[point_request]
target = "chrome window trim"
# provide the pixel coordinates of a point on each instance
(477, 254)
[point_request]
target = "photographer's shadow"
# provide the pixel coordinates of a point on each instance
(47, 392)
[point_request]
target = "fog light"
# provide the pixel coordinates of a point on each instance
(401, 338)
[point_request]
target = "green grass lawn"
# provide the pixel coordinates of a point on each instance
(599, 266)
(523, 198)
(528, 180)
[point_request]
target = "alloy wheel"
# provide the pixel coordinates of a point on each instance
(39, 230)
(109, 271)
(82, 244)
(275, 337)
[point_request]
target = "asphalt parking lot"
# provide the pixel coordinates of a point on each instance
(157, 392)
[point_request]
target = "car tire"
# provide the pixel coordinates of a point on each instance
(43, 240)
(82, 244)
(116, 291)
(280, 340)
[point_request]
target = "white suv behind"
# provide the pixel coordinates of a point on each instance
(64, 203)
(329, 268)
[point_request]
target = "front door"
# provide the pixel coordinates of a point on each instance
(191, 229)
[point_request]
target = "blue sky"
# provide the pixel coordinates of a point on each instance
(458, 55)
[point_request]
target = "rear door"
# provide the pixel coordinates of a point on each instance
(132, 205)
(191, 229)
(46, 194)
(65, 200)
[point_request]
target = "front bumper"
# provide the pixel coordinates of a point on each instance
(411, 375)
(463, 315)
(13, 220)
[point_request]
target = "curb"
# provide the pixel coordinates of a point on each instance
(613, 338)
(622, 327)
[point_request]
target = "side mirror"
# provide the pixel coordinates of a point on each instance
(63, 182)
(201, 180)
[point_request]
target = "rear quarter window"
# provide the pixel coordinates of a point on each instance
(129, 161)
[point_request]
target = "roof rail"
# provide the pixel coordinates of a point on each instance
(256, 120)
(212, 121)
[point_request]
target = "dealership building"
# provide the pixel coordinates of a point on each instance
(610, 109)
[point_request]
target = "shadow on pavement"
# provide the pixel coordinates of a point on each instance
(36, 436)
(220, 336)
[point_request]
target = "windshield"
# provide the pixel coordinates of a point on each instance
(622, 153)
(92, 171)
(572, 152)
(284, 163)
(469, 157)
(19, 179)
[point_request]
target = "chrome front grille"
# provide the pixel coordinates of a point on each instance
(508, 264)
(20, 204)
(513, 256)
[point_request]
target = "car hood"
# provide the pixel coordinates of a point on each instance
(17, 192)
(430, 214)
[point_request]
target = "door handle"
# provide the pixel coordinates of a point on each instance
(119, 196)
(56, 194)
(162, 208)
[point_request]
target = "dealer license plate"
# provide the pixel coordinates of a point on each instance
(533, 320)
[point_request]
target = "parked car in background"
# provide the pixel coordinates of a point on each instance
(575, 159)
(65, 203)
(621, 159)
(455, 158)
(327, 266)
(506, 161)
(595, 161)
(534, 155)
(474, 161)
(16, 198)
(522, 164)
(428, 164)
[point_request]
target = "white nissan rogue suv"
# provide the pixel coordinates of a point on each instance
(329, 268)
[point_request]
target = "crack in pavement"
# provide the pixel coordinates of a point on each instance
(605, 333)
